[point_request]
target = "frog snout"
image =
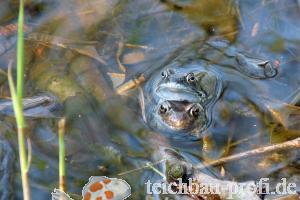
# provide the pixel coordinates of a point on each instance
(178, 120)
(180, 114)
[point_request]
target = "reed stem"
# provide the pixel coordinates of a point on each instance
(61, 144)
(17, 98)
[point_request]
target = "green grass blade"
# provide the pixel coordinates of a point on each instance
(20, 55)
(17, 98)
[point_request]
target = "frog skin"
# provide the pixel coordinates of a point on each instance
(178, 99)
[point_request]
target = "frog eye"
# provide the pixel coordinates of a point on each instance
(164, 74)
(190, 78)
(164, 107)
(195, 110)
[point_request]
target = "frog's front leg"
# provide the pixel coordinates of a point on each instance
(41, 106)
(221, 52)
(6, 166)
(255, 68)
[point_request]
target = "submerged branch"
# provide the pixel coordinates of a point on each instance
(141, 168)
(292, 144)
(134, 83)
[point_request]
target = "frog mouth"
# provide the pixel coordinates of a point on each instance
(172, 91)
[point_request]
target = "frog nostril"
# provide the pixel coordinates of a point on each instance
(202, 94)
(170, 71)
(166, 73)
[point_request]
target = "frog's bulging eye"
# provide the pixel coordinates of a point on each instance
(195, 111)
(190, 78)
(164, 74)
(164, 108)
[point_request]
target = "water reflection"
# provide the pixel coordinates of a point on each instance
(106, 134)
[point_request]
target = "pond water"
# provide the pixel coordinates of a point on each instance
(81, 52)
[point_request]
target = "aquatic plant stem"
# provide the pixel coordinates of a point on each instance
(20, 116)
(61, 144)
(21, 138)
(17, 98)
(23, 161)
(20, 56)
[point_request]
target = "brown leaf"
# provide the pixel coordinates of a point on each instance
(133, 57)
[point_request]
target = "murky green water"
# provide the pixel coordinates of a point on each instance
(81, 51)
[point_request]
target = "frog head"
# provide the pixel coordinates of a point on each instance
(178, 99)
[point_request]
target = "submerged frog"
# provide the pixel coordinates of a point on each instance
(178, 99)
(179, 166)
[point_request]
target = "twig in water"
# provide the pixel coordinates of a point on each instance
(142, 103)
(233, 144)
(29, 159)
(118, 55)
(86, 48)
(292, 144)
(134, 83)
(140, 168)
(156, 170)
(138, 46)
